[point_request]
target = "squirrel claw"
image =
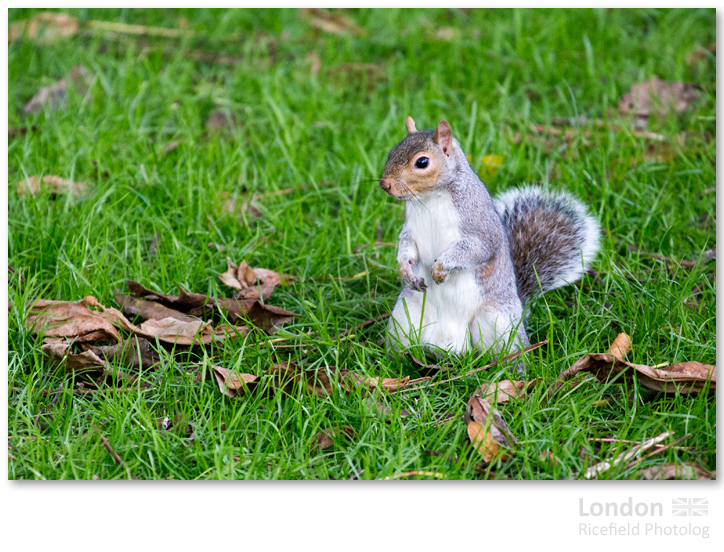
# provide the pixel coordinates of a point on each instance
(418, 284)
(438, 274)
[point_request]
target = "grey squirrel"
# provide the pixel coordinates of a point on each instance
(469, 263)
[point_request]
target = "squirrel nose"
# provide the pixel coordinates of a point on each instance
(385, 185)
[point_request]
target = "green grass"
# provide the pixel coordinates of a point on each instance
(501, 71)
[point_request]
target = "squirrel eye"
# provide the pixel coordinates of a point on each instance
(422, 162)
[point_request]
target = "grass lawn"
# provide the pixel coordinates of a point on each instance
(318, 112)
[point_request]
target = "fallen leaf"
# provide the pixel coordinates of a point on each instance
(487, 431)
(327, 437)
(177, 331)
(52, 185)
(149, 310)
(684, 470)
(266, 317)
(502, 391)
(44, 28)
(133, 351)
(621, 346)
(657, 97)
(233, 384)
(60, 349)
(252, 283)
(682, 377)
(70, 320)
(54, 96)
(330, 22)
(387, 384)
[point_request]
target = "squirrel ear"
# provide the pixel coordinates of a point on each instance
(443, 136)
(410, 125)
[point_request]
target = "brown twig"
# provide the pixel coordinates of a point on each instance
(469, 372)
(661, 448)
(606, 465)
(113, 453)
(340, 278)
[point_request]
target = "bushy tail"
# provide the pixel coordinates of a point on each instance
(553, 239)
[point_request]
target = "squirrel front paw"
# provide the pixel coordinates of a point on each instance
(409, 276)
(439, 273)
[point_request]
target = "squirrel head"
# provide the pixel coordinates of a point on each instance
(422, 162)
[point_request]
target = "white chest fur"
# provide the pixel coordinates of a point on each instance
(450, 307)
(434, 223)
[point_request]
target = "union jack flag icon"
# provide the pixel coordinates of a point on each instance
(690, 506)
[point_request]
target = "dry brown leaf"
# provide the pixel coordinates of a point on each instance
(330, 22)
(134, 351)
(252, 283)
(99, 358)
(503, 391)
(386, 384)
(327, 437)
(682, 377)
(44, 28)
(621, 346)
(70, 320)
(60, 349)
(54, 96)
(233, 384)
(149, 310)
(489, 434)
(657, 97)
(52, 185)
(266, 317)
(684, 470)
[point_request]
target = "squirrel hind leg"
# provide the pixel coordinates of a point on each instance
(404, 326)
(414, 322)
(496, 330)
